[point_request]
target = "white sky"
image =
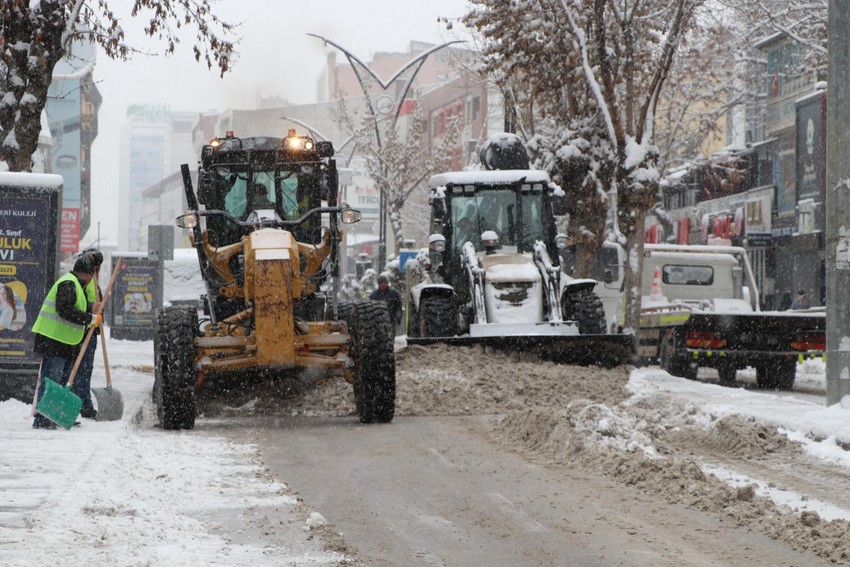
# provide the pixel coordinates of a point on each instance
(276, 58)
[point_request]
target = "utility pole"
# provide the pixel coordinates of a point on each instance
(838, 205)
(365, 76)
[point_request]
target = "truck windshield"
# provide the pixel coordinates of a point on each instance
(497, 210)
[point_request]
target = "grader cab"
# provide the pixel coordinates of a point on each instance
(268, 243)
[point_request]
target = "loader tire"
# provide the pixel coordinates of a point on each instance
(414, 329)
(675, 366)
(777, 374)
(374, 362)
(585, 308)
(174, 385)
(438, 317)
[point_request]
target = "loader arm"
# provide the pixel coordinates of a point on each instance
(475, 273)
(551, 281)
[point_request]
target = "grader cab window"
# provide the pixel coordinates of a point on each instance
(257, 191)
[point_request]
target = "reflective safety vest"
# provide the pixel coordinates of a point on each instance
(91, 291)
(51, 325)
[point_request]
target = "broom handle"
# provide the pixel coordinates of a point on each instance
(91, 329)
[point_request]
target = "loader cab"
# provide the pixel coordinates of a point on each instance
(515, 204)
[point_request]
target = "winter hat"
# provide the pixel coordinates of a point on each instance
(96, 254)
(383, 279)
(85, 264)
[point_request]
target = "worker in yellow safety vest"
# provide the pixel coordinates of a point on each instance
(60, 328)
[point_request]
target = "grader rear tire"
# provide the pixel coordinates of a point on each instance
(174, 385)
(374, 362)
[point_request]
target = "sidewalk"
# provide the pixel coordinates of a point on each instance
(127, 493)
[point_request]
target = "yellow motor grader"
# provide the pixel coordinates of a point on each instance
(267, 240)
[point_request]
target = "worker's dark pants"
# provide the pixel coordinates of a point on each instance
(82, 381)
(56, 368)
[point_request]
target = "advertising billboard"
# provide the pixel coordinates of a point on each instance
(29, 219)
(134, 298)
(811, 147)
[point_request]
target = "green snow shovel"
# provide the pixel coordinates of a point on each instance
(59, 404)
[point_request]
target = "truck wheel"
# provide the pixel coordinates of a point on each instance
(727, 374)
(674, 365)
(374, 362)
(585, 308)
(438, 317)
(777, 375)
(174, 385)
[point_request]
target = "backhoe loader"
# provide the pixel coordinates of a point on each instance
(492, 275)
(267, 239)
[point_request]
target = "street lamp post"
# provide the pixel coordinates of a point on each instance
(358, 66)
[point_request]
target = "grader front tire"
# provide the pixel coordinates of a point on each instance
(174, 386)
(374, 362)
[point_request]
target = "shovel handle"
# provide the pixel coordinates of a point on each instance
(91, 329)
(103, 346)
(105, 358)
(80, 357)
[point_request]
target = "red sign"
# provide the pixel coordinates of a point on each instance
(70, 230)
(408, 106)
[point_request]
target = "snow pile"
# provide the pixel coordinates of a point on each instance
(182, 277)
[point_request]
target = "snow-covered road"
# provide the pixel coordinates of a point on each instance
(127, 493)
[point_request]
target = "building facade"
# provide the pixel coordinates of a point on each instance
(768, 194)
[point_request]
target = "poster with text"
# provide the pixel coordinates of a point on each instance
(27, 240)
(134, 298)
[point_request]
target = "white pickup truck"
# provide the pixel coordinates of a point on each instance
(700, 308)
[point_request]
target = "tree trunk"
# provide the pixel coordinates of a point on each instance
(633, 272)
(29, 73)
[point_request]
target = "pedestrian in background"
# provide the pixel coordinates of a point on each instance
(61, 327)
(390, 296)
(801, 301)
(82, 381)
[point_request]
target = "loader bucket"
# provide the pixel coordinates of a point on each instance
(607, 351)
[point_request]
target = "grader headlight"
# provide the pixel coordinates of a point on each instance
(188, 220)
(295, 142)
